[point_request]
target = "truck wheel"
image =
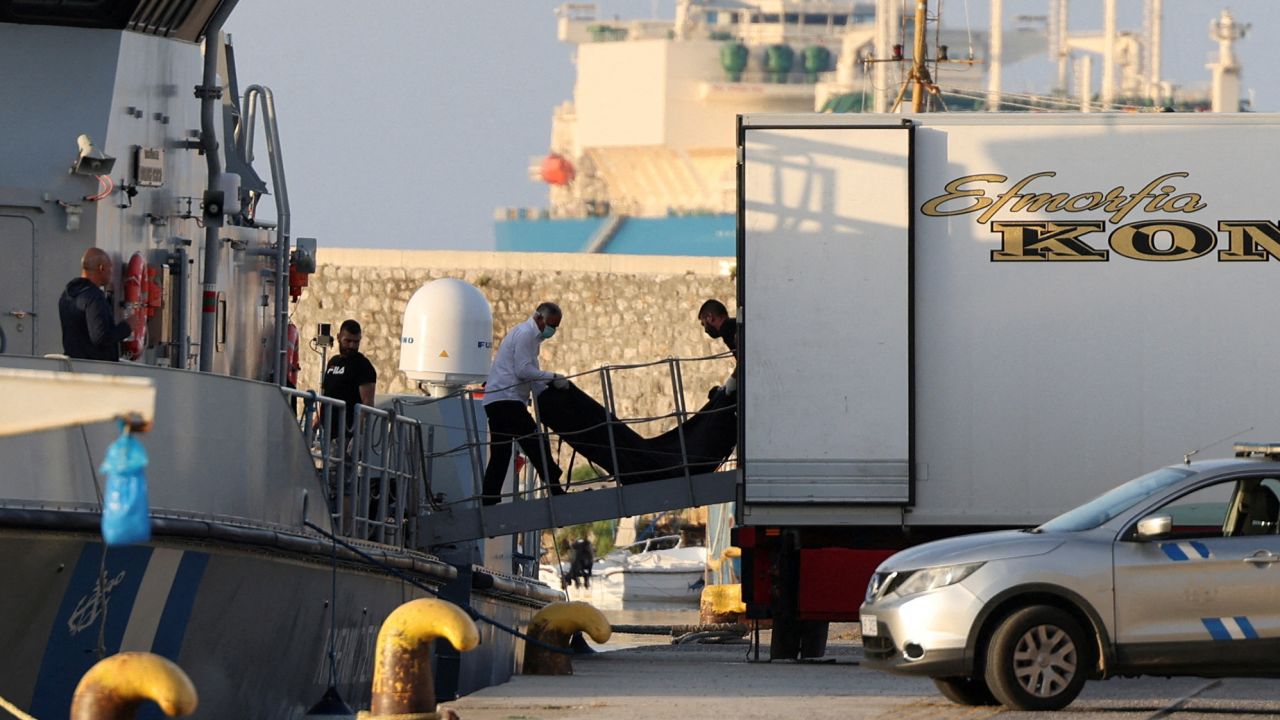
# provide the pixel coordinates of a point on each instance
(813, 638)
(1038, 659)
(965, 690)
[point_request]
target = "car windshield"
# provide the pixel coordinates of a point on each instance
(1115, 501)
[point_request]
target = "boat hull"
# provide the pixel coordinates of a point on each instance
(214, 609)
(622, 589)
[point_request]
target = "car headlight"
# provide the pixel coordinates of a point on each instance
(914, 582)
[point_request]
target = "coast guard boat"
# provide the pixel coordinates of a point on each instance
(126, 129)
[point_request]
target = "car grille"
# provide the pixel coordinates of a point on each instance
(880, 647)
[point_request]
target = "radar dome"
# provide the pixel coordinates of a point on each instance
(448, 334)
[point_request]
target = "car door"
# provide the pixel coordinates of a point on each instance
(1203, 598)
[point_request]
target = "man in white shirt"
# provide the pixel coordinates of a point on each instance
(513, 374)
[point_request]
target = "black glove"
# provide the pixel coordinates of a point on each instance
(711, 394)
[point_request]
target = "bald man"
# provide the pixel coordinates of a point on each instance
(89, 328)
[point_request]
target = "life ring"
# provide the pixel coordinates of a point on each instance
(291, 355)
(135, 302)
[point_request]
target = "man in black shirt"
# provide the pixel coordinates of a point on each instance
(349, 376)
(89, 328)
(716, 322)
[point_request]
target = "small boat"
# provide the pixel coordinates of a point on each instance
(657, 570)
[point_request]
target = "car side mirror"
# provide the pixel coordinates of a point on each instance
(1154, 527)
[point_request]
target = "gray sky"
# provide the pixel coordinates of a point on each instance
(406, 123)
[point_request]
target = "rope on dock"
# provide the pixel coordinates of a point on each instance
(13, 710)
(677, 630)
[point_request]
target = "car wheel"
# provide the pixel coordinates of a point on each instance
(1038, 659)
(965, 691)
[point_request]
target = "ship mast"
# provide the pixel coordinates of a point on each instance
(918, 78)
(919, 81)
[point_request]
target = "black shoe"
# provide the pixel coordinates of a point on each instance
(558, 489)
(487, 500)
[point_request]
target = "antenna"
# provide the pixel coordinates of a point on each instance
(1186, 458)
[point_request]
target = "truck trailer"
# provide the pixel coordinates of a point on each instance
(962, 322)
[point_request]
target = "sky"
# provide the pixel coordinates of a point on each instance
(406, 124)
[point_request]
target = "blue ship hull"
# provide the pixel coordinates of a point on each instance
(711, 235)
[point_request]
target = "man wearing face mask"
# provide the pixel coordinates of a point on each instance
(89, 328)
(514, 374)
(716, 323)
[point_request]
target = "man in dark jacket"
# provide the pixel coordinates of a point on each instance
(89, 329)
(716, 323)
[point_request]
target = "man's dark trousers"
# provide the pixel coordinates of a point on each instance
(509, 420)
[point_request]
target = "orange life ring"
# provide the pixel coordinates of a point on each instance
(135, 301)
(291, 355)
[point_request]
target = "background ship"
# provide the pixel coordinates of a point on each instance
(641, 161)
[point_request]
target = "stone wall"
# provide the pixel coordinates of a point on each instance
(618, 309)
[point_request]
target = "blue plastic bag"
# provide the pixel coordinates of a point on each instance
(126, 515)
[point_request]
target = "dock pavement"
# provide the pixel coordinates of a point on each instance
(650, 678)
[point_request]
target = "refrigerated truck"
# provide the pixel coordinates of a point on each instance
(961, 322)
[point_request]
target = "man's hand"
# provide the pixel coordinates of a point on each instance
(559, 382)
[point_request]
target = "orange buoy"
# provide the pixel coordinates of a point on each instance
(557, 170)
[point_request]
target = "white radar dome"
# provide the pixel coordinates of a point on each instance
(447, 337)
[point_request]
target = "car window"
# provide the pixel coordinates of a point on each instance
(1256, 507)
(1202, 513)
(1245, 506)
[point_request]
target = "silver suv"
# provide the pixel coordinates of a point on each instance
(1174, 573)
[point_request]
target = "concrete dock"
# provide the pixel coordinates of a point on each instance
(718, 681)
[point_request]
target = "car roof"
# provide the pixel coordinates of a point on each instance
(1217, 465)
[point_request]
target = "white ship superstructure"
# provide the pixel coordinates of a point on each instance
(641, 160)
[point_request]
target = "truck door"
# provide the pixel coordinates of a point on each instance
(824, 285)
(17, 289)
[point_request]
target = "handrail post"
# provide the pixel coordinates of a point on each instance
(545, 451)
(606, 383)
(360, 477)
(430, 465)
(471, 424)
(539, 433)
(340, 489)
(677, 384)
(387, 468)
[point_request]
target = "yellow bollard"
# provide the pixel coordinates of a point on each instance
(555, 625)
(402, 685)
(721, 604)
(115, 687)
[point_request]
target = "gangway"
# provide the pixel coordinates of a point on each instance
(640, 475)
(455, 524)
(389, 482)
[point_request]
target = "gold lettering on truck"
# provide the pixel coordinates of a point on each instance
(969, 194)
(1037, 239)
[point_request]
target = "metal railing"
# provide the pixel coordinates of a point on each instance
(375, 476)
(679, 462)
(387, 457)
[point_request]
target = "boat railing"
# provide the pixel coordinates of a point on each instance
(323, 420)
(375, 476)
(387, 460)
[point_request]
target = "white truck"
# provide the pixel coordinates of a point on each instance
(963, 322)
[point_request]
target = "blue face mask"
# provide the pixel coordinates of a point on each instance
(548, 331)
